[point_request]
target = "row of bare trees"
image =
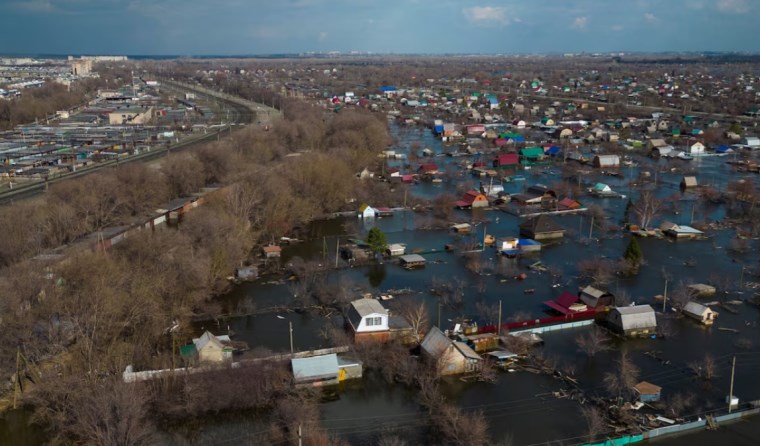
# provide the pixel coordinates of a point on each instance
(89, 316)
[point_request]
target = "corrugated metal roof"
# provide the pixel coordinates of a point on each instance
(435, 343)
(466, 351)
(412, 258)
(366, 307)
(640, 316)
(315, 367)
(695, 308)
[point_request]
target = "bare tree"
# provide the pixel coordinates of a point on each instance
(461, 428)
(621, 380)
(595, 422)
(600, 270)
(679, 403)
(647, 207)
(416, 314)
(593, 342)
(103, 413)
(705, 369)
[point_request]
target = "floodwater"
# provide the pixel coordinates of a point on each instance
(520, 406)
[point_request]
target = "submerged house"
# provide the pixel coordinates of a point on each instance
(211, 348)
(271, 251)
(602, 190)
(396, 249)
(689, 181)
(368, 318)
(700, 313)
(451, 357)
(367, 211)
(541, 228)
(595, 298)
(680, 231)
(472, 199)
(537, 194)
(566, 303)
(606, 161)
(647, 392)
(506, 160)
(636, 321)
(324, 370)
(411, 261)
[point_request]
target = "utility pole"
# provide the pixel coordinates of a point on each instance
(731, 388)
(299, 434)
(290, 326)
(439, 314)
(498, 327)
(693, 205)
(665, 296)
(17, 386)
(337, 251)
(591, 229)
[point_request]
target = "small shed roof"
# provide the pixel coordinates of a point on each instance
(647, 388)
(466, 351)
(502, 354)
(412, 258)
(696, 308)
(593, 292)
(315, 367)
(689, 181)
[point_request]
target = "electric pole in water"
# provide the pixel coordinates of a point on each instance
(731, 388)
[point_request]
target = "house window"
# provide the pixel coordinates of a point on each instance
(374, 321)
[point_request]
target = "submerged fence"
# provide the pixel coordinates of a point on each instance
(678, 428)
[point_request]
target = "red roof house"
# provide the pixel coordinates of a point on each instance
(506, 160)
(472, 199)
(566, 303)
(428, 168)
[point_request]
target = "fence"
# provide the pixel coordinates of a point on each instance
(561, 320)
(549, 328)
(678, 428)
(630, 439)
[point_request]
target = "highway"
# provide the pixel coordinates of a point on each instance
(241, 113)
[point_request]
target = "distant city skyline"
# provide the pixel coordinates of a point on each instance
(249, 27)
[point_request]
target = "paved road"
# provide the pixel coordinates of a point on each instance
(242, 112)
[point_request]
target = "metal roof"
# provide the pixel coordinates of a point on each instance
(466, 351)
(366, 307)
(639, 316)
(315, 367)
(435, 343)
(502, 354)
(411, 258)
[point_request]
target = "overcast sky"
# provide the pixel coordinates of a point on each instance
(221, 27)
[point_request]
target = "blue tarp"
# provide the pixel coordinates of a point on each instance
(553, 151)
(722, 149)
(387, 88)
